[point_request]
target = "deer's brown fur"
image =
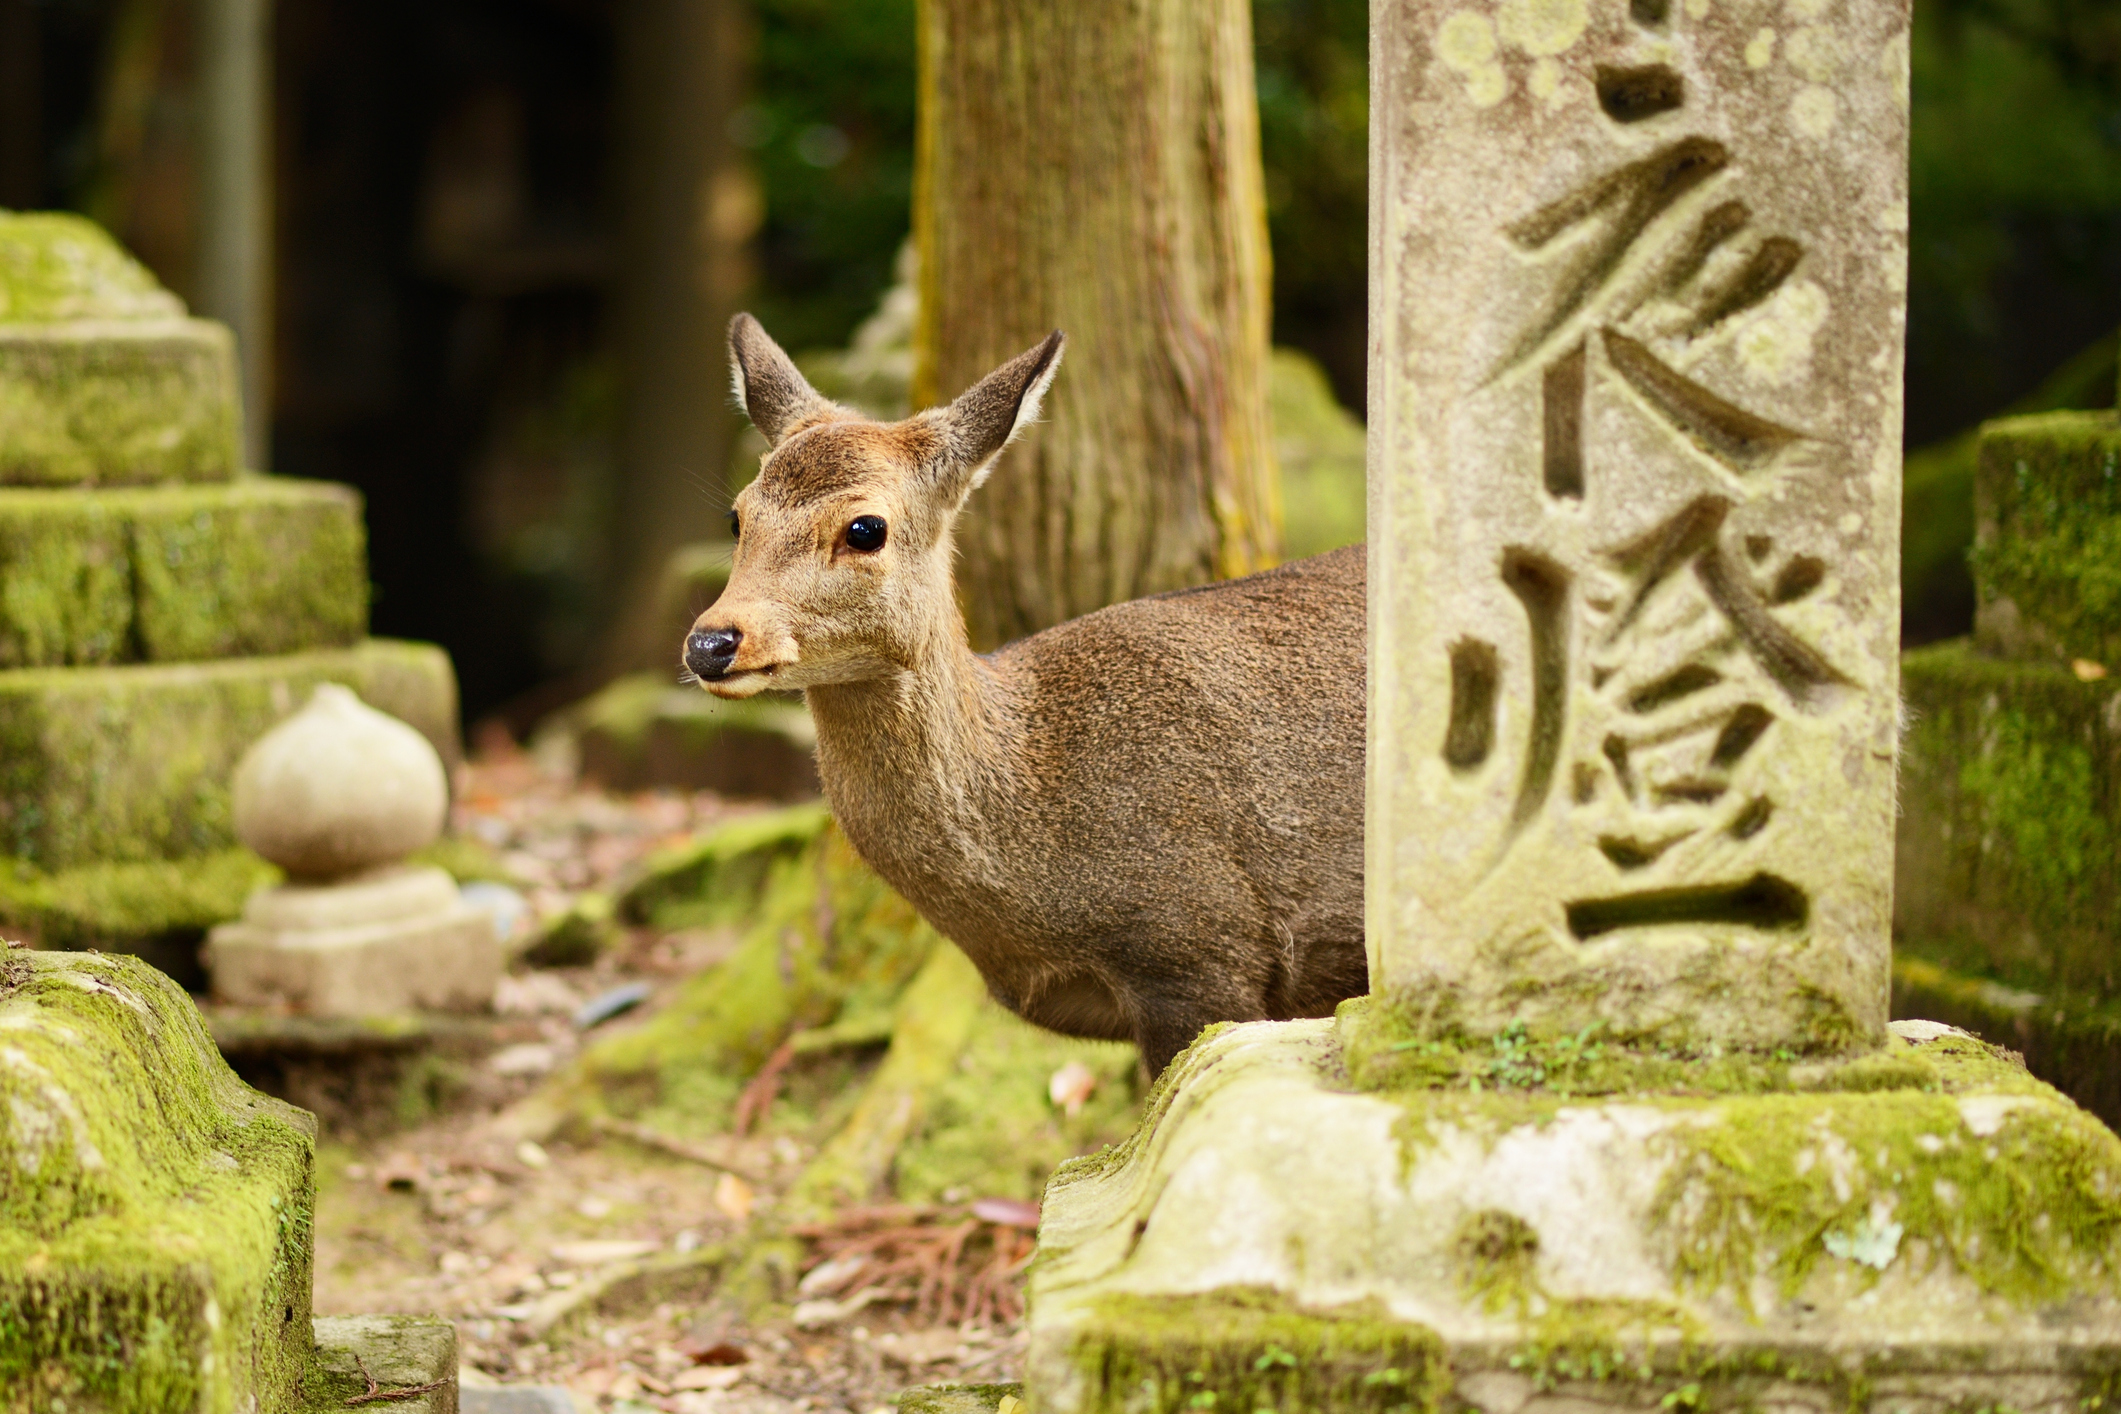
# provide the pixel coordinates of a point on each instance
(1135, 824)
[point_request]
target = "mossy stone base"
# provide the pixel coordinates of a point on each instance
(2009, 856)
(957, 1398)
(644, 731)
(154, 1211)
(126, 764)
(118, 403)
(157, 909)
(262, 565)
(2047, 537)
(1273, 1238)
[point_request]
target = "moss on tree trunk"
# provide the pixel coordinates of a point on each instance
(1095, 167)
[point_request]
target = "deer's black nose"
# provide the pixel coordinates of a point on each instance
(709, 651)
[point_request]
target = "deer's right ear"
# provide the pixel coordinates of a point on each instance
(772, 392)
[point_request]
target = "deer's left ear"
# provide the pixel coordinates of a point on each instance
(989, 414)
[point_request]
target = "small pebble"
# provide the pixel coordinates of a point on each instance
(598, 1010)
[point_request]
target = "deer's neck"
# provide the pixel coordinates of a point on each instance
(916, 763)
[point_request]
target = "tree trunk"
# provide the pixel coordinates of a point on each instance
(686, 209)
(1095, 167)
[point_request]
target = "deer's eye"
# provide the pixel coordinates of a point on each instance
(866, 533)
(735, 526)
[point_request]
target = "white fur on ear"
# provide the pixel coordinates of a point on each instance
(736, 387)
(1027, 410)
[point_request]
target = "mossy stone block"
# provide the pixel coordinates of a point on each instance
(260, 565)
(412, 1361)
(133, 763)
(157, 909)
(118, 403)
(2009, 851)
(644, 730)
(102, 378)
(2047, 537)
(155, 1212)
(1271, 1239)
(2070, 1040)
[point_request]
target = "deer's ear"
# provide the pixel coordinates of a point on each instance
(774, 395)
(989, 414)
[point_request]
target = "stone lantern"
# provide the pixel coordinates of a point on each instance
(338, 795)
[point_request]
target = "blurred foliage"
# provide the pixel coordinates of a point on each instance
(830, 131)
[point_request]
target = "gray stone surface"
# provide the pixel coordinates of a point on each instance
(339, 787)
(516, 1399)
(1638, 280)
(399, 939)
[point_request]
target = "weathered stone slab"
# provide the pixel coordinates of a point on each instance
(2009, 858)
(261, 565)
(2047, 537)
(154, 1211)
(1637, 294)
(410, 1360)
(1925, 1229)
(133, 763)
(102, 378)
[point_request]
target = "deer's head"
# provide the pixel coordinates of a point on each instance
(842, 568)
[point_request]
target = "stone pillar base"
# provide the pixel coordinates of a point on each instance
(398, 939)
(1523, 1226)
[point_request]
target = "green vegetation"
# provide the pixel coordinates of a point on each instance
(154, 1211)
(125, 905)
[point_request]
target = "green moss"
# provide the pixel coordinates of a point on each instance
(2009, 857)
(822, 937)
(2070, 1040)
(1240, 1351)
(646, 730)
(118, 404)
(991, 1127)
(56, 266)
(464, 858)
(1388, 1045)
(169, 574)
(119, 906)
(2048, 534)
(2025, 1210)
(126, 764)
(154, 1211)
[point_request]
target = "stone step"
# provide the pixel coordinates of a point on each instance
(2009, 854)
(254, 566)
(133, 763)
(2047, 537)
(156, 1208)
(645, 731)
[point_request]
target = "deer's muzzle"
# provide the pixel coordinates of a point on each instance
(710, 651)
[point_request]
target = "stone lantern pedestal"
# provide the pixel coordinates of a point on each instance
(338, 795)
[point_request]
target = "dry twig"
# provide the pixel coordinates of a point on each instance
(376, 1394)
(655, 1139)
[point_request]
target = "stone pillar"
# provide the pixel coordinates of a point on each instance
(1637, 283)
(1622, 1126)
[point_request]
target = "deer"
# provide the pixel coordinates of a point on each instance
(1137, 823)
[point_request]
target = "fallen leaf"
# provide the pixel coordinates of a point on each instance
(809, 1315)
(707, 1377)
(1007, 1212)
(733, 1197)
(1071, 1087)
(594, 1207)
(1010, 1405)
(531, 1154)
(2087, 670)
(722, 1353)
(596, 1252)
(831, 1278)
